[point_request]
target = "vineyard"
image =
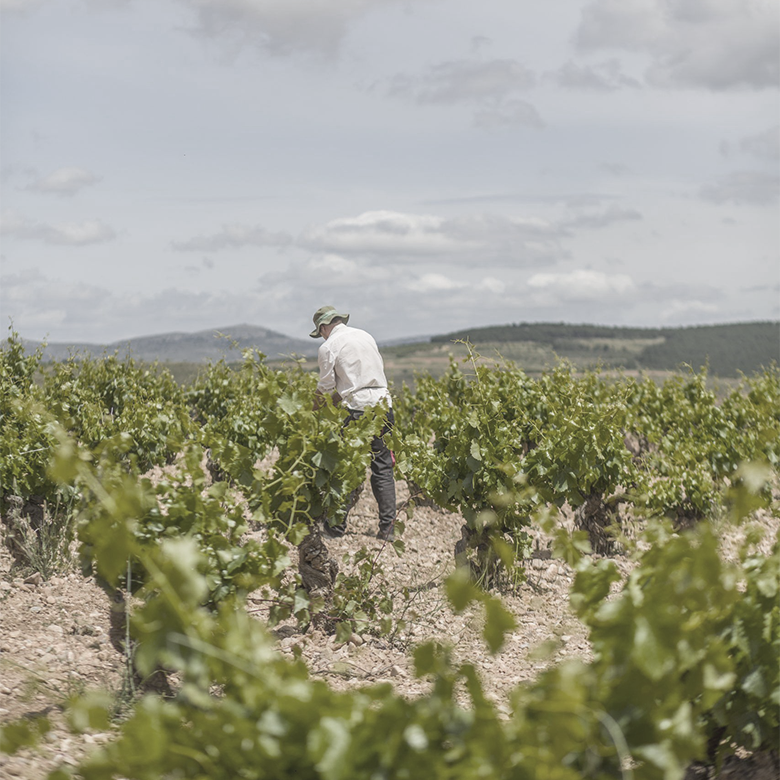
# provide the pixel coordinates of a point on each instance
(584, 580)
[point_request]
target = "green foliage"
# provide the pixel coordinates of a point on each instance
(685, 649)
(98, 399)
(749, 713)
(462, 444)
(250, 414)
(269, 720)
(361, 600)
(695, 444)
(581, 451)
(663, 671)
(23, 733)
(232, 407)
(26, 428)
(40, 545)
(658, 647)
(124, 517)
(461, 592)
(320, 462)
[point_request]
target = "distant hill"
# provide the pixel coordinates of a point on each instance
(726, 349)
(547, 333)
(744, 347)
(197, 347)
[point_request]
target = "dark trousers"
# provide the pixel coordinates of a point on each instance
(382, 480)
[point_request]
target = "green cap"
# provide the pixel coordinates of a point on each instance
(324, 316)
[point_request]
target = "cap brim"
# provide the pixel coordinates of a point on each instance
(315, 334)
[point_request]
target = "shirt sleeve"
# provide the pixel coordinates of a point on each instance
(327, 363)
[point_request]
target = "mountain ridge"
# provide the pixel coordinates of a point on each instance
(183, 347)
(727, 349)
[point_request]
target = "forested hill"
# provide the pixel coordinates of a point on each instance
(745, 347)
(726, 349)
(547, 333)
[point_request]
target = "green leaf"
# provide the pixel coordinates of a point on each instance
(22, 733)
(755, 684)
(648, 652)
(92, 711)
(288, 404)
(425, 659)
(498, 621)
(460, 589)
(334, 736)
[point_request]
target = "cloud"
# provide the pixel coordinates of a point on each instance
(716, 44)
(603, 77)
(479, 42)
(465, 81)
(600, 220)
(492, 285)
(435, 283)
(64, 181)
(687, 308)
(382, 232)
(103, 5)
(765, 146)
(38, 304)
(20, 6)
(28, 6)
(91, 231)
(490, 87)
(336, 265)
(410, 237)
(616, 169)
(441, 283)
(341, 272)
(581, 285)
(9, 172)
(509, 113)
(233, 236)
(280, 27)
(754, 188)
(41, 305)
(496, 239)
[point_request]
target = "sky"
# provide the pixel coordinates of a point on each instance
(425, 165)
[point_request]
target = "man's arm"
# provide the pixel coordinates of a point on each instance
(326, 361)
(319, 399)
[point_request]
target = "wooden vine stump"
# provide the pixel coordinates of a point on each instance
(23, 523)
(484, 565)
(595, 517)
(318, 574)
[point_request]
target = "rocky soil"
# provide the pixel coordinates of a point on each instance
(54, 634)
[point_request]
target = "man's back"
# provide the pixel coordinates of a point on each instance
(350, 364)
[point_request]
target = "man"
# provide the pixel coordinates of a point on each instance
(352, 372)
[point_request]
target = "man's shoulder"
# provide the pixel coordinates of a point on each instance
(348, 333)
(358, 333)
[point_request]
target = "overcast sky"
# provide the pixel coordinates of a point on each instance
(426, 165)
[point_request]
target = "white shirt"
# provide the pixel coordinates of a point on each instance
(350, 364)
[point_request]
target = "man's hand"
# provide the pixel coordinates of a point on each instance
(319, 399)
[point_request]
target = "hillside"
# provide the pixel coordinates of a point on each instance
(727, 349)
(196, 347)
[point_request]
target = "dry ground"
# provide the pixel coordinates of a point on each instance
(54, 635)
